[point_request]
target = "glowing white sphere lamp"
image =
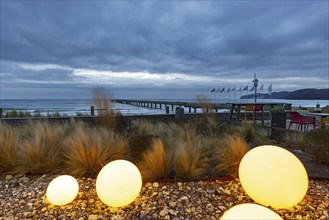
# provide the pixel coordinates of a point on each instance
(118, 183)
(250, 211)
(62, 190)
(272, 176)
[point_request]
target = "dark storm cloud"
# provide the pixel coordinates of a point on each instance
(226, 40)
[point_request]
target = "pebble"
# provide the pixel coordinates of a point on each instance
(299, 217)
(8, 177)
(318, 187)
(155, 185)
(163, 212)
(172, 204)
(24, 180)
(92, 217)
(184, 198)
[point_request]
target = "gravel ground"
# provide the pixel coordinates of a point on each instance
(23, 198)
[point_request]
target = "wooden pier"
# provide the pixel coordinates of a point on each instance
(167, 105)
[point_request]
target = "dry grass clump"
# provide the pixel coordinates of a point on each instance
(103, 102)
(41, 149)
(252, 134)
(88, 149)
(142, 127)
(230, 155)
(156, 162)
(294, 139)
(190, 160)
(8, 151)
(317, 142)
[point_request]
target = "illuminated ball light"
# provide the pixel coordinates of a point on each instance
(62, 190)
(250, 211)
(272, 176)
(118, 183)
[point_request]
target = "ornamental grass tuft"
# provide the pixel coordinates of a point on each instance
(88, 149)
(156, 163)
(103, 102)
(190, 159)
(230, 154)
(142, 127)
(41, 149)
(8, 151)
(317, 142)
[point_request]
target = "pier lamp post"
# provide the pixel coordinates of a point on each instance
(255, 81)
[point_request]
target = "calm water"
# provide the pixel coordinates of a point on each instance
(70, 107)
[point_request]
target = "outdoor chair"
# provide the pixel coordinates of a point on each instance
(249, 108)
(301, 121)
(254, 109)
(306, 112)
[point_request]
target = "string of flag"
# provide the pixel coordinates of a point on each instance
(242, 89)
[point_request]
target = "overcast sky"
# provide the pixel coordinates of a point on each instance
(160, 49)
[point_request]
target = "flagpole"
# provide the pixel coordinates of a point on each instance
(224, 94)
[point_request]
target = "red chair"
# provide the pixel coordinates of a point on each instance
(301, 121)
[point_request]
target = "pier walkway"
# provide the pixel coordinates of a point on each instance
(173, 104)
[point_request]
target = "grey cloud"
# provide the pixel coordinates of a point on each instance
(224, 39)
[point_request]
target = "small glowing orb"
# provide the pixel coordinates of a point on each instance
(62, 190)
(250, 211)
(272, 176)
(118, 183)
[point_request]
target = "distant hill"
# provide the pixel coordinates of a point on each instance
(306, 94)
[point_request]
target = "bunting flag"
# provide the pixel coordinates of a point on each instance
(228, 90)
(239, 90)
(245, 88)
(270, 89)
(223, 90)
(213, 90)
(218, 90)
(232, 90)
(252, 89)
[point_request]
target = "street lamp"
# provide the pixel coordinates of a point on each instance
(255, 81)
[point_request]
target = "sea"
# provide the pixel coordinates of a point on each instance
(73, 107)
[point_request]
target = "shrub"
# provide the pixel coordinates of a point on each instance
(8, 143)
(230, 154)
(41, 149)
(17, 114)
(156, 162)
(89, 149)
